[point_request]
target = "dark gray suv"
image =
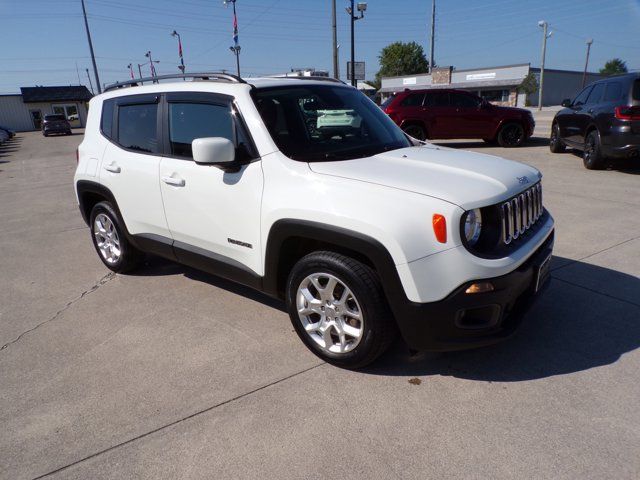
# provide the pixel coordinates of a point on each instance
(603, 121)
(55, 123)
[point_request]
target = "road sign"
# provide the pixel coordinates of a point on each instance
(359, 70)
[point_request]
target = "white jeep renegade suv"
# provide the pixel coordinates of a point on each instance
(361, 230)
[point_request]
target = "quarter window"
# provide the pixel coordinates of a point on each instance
(106, 122)
(137, 127)
(188, 121)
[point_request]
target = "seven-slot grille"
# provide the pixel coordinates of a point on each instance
(520, 213)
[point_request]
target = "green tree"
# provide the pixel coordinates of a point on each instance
(529, 84)
(401, 58)
(615, 66)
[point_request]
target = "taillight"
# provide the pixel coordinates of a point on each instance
(440, 227)
(627, 113)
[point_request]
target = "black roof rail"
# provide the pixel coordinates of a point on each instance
(312, 77)
(215, 76)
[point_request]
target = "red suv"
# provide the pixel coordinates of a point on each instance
(439, 114)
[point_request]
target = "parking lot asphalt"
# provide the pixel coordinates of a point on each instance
(171, 373)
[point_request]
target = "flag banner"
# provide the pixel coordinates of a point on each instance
(235, 29)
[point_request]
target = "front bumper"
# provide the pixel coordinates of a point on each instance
(461, 321)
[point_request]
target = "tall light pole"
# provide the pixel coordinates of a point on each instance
(130, 67)
(362, 7)
(140, 72)
(433, 34)
(235, 49)
(545, 26)
(181, 66)
(586, 63)
(334, 31)
(93, 57)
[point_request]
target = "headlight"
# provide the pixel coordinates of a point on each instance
(472, 226)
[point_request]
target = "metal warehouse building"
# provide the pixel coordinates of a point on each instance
(25, 111)
(498, 85)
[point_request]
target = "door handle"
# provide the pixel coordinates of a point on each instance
(176, 182)
(113, 168)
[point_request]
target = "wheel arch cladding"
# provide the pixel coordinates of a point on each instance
(289, 240)
(91, 193)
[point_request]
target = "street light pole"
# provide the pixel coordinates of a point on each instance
(93, 57)
(433, 34)
(181, 66)
(362, 6)
(151, 62)
(586, 63)
(140, 72)
(545, 26)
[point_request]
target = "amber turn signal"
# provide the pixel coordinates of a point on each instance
(480, 287)
(440, 227)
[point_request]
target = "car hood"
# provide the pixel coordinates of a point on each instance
(466, 179)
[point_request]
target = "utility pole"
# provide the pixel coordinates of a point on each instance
(586, 63)
(545, 26)
(433, 34)
(93, 57)
(334, 30)
(89, 77)
(78, 73)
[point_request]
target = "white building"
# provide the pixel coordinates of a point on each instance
(25, 111)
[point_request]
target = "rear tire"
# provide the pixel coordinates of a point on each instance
(555, 143)
(110, 240)
(592, 155)
(511, 135)
(416, 131)
(338, 309)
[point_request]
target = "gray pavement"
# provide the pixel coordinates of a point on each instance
(171, 373)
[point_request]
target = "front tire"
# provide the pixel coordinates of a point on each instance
(511, 135)
(555, 143)
(592, 155)
(110, 241)
(338, 309)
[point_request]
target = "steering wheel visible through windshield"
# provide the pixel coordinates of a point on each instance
(315, 123)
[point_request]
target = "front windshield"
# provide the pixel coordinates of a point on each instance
(315, 123)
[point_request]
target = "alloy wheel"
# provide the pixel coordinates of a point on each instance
(107, 238)
(330, 313)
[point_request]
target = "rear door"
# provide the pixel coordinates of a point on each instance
(211, 212)
(131, 162)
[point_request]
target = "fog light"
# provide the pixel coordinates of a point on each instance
(480, 287)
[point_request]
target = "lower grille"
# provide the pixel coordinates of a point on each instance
(520, 213)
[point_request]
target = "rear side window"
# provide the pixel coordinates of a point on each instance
(137, 127)
(636, 90)
(613, 92)
(596, 93)
(464, 101)
(188, 121)
(437, 99)
(106, 121)
(413, 100)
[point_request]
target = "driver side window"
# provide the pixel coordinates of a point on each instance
(581, 99)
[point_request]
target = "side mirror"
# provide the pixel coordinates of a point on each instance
(213, 150)
(566, 102)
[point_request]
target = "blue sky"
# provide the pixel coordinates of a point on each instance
(42, 40)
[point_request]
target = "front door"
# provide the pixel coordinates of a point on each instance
(210, 212)
(471, 120)
(36, 118)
